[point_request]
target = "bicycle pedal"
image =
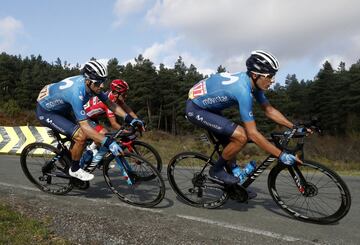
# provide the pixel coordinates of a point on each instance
(82, 185)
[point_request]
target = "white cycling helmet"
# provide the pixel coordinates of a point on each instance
(95, 70)
(261, 62)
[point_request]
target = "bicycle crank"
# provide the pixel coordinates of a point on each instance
(238, 193)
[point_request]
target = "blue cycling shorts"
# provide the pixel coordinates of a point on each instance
(212, 121)
(65, 124)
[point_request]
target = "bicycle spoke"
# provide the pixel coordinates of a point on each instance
(321, 200)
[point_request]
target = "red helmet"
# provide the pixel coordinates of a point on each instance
(119, 86)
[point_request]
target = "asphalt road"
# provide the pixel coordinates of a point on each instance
(259, 221)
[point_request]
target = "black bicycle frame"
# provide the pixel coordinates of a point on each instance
(298, 178)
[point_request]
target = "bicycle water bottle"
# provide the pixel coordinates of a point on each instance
(97, 158)
(250, 167)
(86, 158)
(245, 172)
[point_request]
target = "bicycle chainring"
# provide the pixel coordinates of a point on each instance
(238, 193)
(82, 185)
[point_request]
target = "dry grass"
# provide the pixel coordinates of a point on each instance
(340, 154)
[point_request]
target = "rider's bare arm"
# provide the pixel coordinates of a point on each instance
(114, 123)
(254, 135)
(276, 116)
(90, 132)
(128, 110)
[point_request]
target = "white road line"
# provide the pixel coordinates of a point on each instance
(120, 204)
(198, 219)
(246, 229)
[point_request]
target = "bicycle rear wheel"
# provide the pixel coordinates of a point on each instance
(325, 198)
(144, 191)
(149, 153)
(190, 181)
(45, 167)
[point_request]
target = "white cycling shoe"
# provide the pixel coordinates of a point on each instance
(81, 174)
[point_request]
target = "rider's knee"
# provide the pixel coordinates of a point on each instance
(80, 137)
(239, 136)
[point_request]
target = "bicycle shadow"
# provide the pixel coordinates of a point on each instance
(97, 190)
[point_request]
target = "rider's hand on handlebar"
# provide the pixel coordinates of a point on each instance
(138, 123)
(288, 159)
(303, 129)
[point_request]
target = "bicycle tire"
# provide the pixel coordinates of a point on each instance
(326, 197)
(54, 180)
(149, 153)
(145, 192)
(191, 184)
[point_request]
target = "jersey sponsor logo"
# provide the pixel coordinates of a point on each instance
(52, 104)
(82, 112)
(199, 89)
(233, 79)
(67, 84)
(214, 100)
(199, 118)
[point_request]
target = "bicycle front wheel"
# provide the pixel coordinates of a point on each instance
(189, 179)
(149, 153)
(45, 167)
(324, 198)
(144, 191)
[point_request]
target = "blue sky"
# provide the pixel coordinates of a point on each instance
(206, 33)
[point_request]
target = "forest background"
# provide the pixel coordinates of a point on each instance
(158, 96)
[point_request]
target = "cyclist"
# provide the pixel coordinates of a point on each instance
(210, 96)
(60, 107)
(95, 108)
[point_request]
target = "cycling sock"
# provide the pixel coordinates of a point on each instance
(75, 166)
(220, 164)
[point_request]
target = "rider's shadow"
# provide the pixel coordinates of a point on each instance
(262, 199)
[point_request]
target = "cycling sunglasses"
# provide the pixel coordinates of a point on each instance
(98, 82)
(270, 76)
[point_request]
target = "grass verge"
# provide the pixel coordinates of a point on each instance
(15, 228)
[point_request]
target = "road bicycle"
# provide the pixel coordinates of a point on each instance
(129, 176)
(308, 192)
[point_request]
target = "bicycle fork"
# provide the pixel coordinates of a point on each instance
(124, 168)
(298, 178)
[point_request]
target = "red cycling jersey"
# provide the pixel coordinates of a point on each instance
(95, 108)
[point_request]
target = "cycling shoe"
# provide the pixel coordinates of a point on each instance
(222, 175)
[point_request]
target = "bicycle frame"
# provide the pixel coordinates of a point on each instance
(298, 177)
(123, 165)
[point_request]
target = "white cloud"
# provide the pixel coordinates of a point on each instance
(289, 29)
(168, 52)
(124, 8)
(9, 29)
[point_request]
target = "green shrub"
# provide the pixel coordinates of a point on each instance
(11, 108)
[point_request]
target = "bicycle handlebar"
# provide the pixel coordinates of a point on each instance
(122, 133)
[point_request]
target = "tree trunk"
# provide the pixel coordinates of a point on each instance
(149, 111)
(159, 121)
(173, 121)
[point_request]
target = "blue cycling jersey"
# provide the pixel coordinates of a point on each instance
(67, 95)
(223, 90)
